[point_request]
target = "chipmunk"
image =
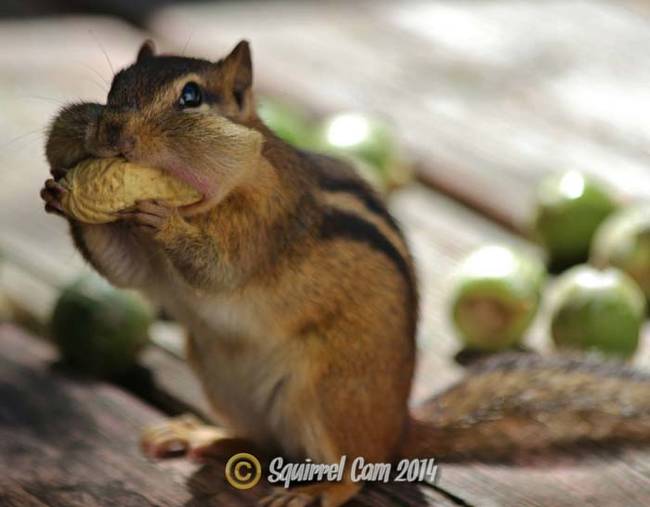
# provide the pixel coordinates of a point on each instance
(299, 294)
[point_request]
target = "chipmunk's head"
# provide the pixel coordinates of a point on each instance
(185, 115)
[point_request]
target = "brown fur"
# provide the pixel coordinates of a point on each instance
(297, 288)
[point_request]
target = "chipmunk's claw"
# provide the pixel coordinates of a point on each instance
(58, 173)
(51, 193)
(150, 216)
(183, 435)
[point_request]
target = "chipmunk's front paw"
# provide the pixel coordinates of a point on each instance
(52, 193)
(151, 216)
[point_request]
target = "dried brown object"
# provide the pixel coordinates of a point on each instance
(99, 188)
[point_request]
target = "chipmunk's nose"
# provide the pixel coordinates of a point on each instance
(113, 132)
(118, 139)
(126, 144)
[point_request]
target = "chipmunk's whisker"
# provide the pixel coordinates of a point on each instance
(187, 42)
(22, 136)
(96, 73)
(101, 46)
(60, 102)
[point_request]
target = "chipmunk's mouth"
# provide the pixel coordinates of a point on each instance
(199, 181)
(196, 179)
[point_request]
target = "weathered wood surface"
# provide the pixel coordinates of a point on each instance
(67, 441)
(594, 476)
(487, 96)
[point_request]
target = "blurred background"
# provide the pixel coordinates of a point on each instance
(474, 102)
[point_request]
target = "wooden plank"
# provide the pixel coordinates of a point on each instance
(67, 441)
(174, 387)
(594, 476)
(488, 97)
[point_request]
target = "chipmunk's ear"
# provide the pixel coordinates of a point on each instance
(238, 72)
(147, 50)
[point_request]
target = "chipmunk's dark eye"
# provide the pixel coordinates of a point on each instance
(191, 95)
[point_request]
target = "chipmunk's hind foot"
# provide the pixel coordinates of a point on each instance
(179, 436)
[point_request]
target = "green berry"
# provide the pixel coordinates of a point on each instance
(367, 142)
(623, 241)
(599, 311)
(287, 121)
(570, 207)
(496, 297)
(99, 329)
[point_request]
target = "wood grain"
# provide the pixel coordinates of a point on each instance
(67, 441)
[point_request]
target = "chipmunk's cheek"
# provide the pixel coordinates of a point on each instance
(206, 183)
(183, 171)
(195, 179)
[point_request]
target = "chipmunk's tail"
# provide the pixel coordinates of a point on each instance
(521, 401)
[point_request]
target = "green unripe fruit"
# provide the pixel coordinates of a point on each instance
(367, 140)
(496, 297)
(99, 329)
(623, 241)
(287, 122)
(570, 207)
(600, 311)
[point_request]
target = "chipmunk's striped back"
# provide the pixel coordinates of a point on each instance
(354, 211)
